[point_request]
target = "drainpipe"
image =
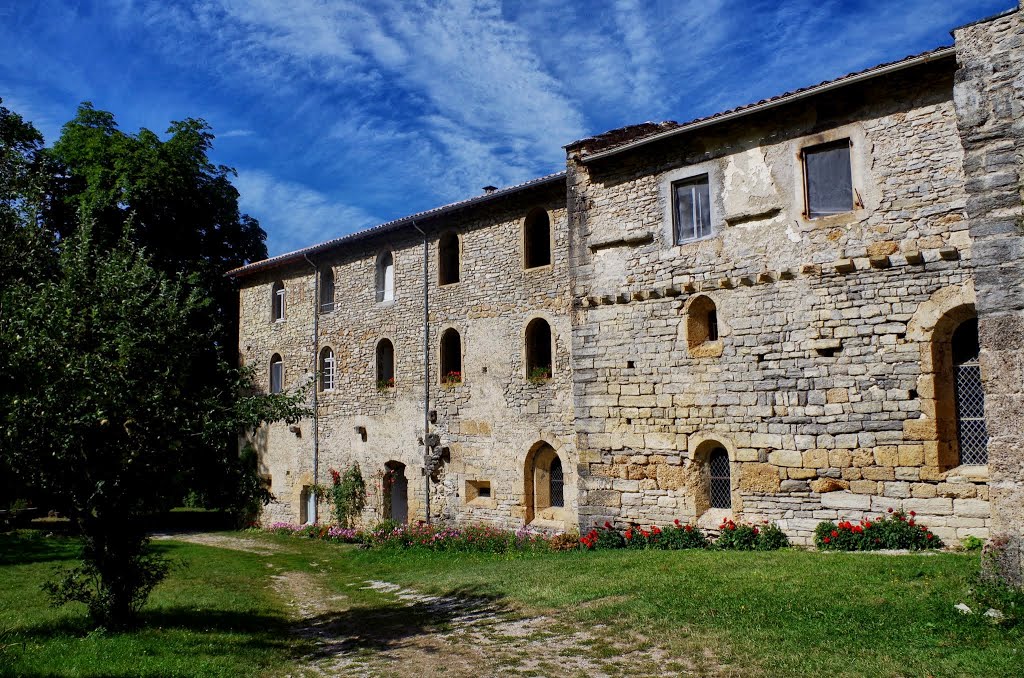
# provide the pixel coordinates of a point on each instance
(426, 366)
(316, 353)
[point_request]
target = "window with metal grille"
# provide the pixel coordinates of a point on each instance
(276, 374)
(971, 432)
(557, 483)
(828, 179)
(692, 212)
(720, 486)
(328, 369)
(277, 301)
(327, 290)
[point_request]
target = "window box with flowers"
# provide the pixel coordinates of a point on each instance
(452, 378)
(385, 385)
(539, 375)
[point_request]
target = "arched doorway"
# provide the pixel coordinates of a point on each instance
(396, 488)
(544, 495)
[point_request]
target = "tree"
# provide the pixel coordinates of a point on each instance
(116, 391)
(104, 411)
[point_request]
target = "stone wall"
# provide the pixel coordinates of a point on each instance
(990, 109)
(489, 422)
(815, 386)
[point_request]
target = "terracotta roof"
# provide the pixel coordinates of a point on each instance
(394, 225)
(597, 146)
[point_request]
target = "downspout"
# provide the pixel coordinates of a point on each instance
(426, 366)
(316, 353)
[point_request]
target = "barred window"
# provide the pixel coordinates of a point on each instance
(557, 483)
(720, 485)
(971, 431)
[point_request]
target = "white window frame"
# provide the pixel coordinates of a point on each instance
(280, 378)
(329, 367)
(667, 184)
(277, 299)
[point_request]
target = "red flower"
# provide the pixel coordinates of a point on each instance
(655, 529)
(930, 535)
(645, 533)
(677, 521)
(834, 533)
(629, 534)
(607, 525)
(826, 540)
(911, 522)
(688, 528)
(912, 513)
(890, 509)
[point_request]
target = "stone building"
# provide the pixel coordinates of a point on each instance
(800, 309)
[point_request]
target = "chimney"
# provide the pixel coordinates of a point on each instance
(491, 189)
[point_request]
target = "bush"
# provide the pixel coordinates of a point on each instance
(743, 537)
(896, 531)
(348, 492)
(681, 536)
(605, 538)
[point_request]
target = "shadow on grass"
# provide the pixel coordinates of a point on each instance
(386, 626)
(28, 546)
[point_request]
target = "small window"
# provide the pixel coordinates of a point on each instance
(328, 370)
(448, 259)
(276, 374)
(828, 179)
(720, 485)
(478, 489)
(537, 239)
(692, 199)
(451, 357)
(327, 290)
(277, 301)
(557, 483)
(701, 321)
(386, 277)
(538, 350)
(385, 364)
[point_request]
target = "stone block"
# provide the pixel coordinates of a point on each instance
(920, 429)
(957, 490)
(786, 458)
(609, 498)
(971, 508)
(846, 501)
(887, 455)
(671, 477)
(922, 490)
(793, 486)
(762, 478)
(823, 485)
(801, 473)
(929, 507)
(837, 395)
(911, 455)
(864, 487)
(839, 458)
(815, 459)
(896, 489)
(879, 473)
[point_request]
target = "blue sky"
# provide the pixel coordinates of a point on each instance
(340, 114)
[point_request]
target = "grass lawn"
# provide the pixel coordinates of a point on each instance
(782, 613)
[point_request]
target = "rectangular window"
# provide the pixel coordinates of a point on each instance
(279, 304)
(692, 199)
(828, 179)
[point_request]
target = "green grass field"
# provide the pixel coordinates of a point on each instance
(780, 613)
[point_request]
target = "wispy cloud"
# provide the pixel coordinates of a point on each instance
(295, 215)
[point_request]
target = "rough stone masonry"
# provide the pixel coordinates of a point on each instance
(772, 362)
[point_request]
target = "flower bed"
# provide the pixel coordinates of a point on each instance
(489, 539)
(895, 531)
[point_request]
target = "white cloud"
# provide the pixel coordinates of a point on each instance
(295, 215)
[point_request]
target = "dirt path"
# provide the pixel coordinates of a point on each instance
(414, 634)
(223, 541)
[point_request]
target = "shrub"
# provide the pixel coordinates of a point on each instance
(349, 494)
(681, 536)
(745, 537)
(896, 531)
(971, 543)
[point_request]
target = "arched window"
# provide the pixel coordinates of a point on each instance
(971, 432)
(448, 259)
(557, 480)
(451, 357)
(277, 301)
(702, 325)
(720, 485)
(328, 370)
(385, 364)
(536, 239)
(276, 374)
(386, 277)
(327, 290)
(538, 350)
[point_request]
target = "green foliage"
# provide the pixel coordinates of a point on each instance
(896, 531)
(971, 543)
(539, 375)
(744, 537)
(349, 493)
(994, 585)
